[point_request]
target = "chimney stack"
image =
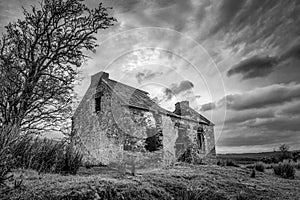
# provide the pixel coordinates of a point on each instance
(97, 77)
(180, 107)
(182, 104)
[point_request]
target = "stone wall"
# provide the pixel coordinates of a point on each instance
(96, 134)
(122, 134)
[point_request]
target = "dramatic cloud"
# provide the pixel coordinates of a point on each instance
(262, 97)
(177, 88)
(254, 67)
(228, 10)
(272, 139)
(291, 109)
(281, 123)
(257, 40)
(292, 52)
(262, 66)
(146, 75)
(246, 115)
(201, 12)
(207, 107)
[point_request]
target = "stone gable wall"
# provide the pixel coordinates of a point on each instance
(118, 134)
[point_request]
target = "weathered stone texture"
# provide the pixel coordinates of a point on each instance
(122, 133)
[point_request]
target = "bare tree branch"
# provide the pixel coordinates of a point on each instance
(38, 59)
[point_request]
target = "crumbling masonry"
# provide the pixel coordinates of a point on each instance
(116, 123)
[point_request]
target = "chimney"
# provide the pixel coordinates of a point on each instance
(182, 104)
(97, 77)
(180, 107)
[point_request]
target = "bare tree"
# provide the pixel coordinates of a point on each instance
(284, 148)
(285, 153)
(39, 56)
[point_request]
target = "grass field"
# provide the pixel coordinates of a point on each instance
(182, 181)
(248, 158)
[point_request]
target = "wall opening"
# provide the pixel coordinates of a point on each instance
(154, 140)
(98, 102)
(182, 141)
(200, 139)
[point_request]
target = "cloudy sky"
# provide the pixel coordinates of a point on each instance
(236, 61)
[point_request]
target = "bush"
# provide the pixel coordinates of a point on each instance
(69, 162)
(231, 163)
(45, 155)
(296, 156)
(284, 170)
(220, 163)
(6, 159)
(190, 156)
(275, 159)
(5, 166)
(259, 167)
(267, 160)
(227, 162)
(297, 165)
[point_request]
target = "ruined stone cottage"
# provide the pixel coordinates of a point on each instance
(117, 123)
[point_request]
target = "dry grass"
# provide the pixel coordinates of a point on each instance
(181, 181)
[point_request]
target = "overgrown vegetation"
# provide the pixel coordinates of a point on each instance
(43, 155)
(190, 156)
(39, 57)
(6, 159)
(227, 162)
(197, 193)
(182, 181)
(284, 170)
(259, 166)
(5, 168)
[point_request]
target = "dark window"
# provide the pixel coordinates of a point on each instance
(98, 104)
(98, 96)
(200, 136)
(154, 140)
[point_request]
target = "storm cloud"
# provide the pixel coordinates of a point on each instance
(146, 75)
(291, 52)
(228, 10)
(262, 97)
(254, 67)
(177, 89)
(256, 40)
(257, 66)
(207, 107)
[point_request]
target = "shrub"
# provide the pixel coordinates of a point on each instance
(275, 159)
(284, 170)
(5, 166)
(190, 156)
(297, 165)
(231, 163)
(296, 156)
(227, 162)
(45, 155)
(259, 167)
(6, 159)
(220, 163)
(267, 160)
(69, 162)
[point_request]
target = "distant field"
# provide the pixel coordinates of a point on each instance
(248, 158)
